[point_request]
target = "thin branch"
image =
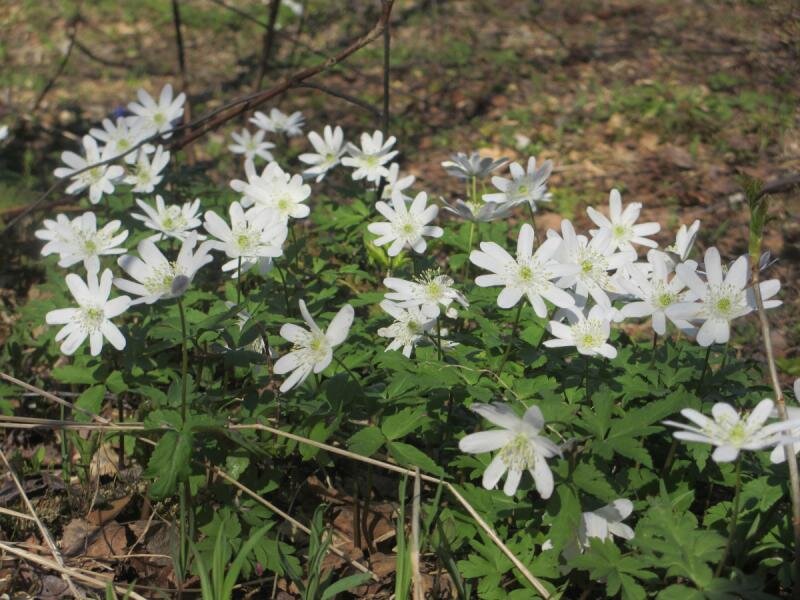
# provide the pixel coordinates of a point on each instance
(268, 41)
(342, 95)
(416, 577)
(73, 32)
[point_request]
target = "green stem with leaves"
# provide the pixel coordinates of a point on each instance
(184, 361)
(511, 339)
(734, 517)
(239, 281)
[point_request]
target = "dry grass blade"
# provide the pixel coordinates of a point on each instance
(53, 397)
(416, 577)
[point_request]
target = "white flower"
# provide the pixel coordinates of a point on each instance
(329, 152)
(405, 225)
(146, 174)
(480, 212)
(520, 446)
(466, 167)
(251, 145)
(427, 291)
(92, 316)
(313, 348)
(395, 182)
(529, 274)
(3, 132)
(278, 122)
(274, 190)
(594, 258)
(656, 293)
(155, 117)
(100, 179)
(622, 228)
(254, 239)
(684, 241)
(720, 300)
(730, 433)
(171, 220)
(603, 524)
(530, 187)
(79, 240)
(158, 278)
(778, 455)
(588, 333)
(409, 328)
(120, 137)
(369, 161)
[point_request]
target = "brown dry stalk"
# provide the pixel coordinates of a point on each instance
(780, 402)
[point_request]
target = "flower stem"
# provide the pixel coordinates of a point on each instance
(239, 281)
(469, 249)
(734, 517)
(283, 284)
(705, 369)
(340, 362)
(184, 360)
(586, 377)
(439, 337)
(510, 340)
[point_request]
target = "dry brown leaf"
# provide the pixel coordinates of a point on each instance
(103, 514)
(104, 462)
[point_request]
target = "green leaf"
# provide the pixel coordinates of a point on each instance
(366, 441)
(169, 462)
(410, 456)
(91, 400)
(345, 584)
(593, 481)
(74, 374)
(402, 423)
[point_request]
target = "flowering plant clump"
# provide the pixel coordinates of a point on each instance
(580, 344)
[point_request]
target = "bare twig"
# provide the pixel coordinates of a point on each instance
(73, 32)
(344, 96)
(187, 108)
(268, 41)
(387, 42)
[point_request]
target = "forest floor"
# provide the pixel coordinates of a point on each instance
(670, 102)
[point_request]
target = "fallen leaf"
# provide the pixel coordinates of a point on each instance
(106, 513)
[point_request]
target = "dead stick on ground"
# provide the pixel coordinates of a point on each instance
(42, 529)
(53, 397)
